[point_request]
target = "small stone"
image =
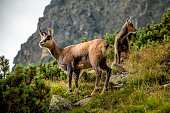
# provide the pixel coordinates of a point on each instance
(83, 102)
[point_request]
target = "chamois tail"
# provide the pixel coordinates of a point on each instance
(105, 49)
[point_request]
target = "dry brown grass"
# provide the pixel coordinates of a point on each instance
(149, 65)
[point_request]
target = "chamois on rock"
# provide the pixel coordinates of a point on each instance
(74, 58)
(121, 41)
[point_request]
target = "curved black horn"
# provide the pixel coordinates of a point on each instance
(39, 30)
(130, 19)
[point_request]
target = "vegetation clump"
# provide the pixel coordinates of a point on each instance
(24, 89)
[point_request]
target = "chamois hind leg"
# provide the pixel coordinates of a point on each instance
(76, 77)
(95, 64)
(108, 72)
(98, 77)
(70, 71)
(115, 58)
(116, 53)
(118, 57)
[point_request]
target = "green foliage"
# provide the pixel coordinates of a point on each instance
(84, 40)
(4, 67)
(11, 88)
(19, 92)
(85, 89)
(42, 94)
(59, 90)
(79, 110)
(110, 39)
(51, 71)
(30, 72)
(152, 34)
(23, 90)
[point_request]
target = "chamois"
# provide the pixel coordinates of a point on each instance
(121, 41)
(74, 58)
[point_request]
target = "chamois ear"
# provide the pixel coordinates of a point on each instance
(50, 32)
(130, 20)
(39, 30)
(127, 20)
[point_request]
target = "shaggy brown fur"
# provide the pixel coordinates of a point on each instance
(77, 57)
(122, 41)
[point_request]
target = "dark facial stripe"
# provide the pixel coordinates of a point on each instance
(48, 38)
(44, 33)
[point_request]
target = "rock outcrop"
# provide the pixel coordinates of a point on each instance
(72, 20)
(59, 105)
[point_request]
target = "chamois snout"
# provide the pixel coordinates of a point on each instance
(132, 29)
(41, 44)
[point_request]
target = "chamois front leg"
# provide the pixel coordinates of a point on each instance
(115, 58)
(118, 55)
(76, 77)
(108, 72)
(70, 71)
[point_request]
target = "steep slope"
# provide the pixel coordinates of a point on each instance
(72, 20)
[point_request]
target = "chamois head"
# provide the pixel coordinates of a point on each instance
(129, 26)
(46, 38)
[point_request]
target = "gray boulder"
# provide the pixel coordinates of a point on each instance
(59, 105)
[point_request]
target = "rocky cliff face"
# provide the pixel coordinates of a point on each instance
(72, 20)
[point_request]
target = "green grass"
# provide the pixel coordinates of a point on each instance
(149, 66)
(144, 91)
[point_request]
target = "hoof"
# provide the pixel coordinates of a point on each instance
(95, 90)
(104, 90)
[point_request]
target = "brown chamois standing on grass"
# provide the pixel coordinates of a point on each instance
(74, 58)
(121, 41)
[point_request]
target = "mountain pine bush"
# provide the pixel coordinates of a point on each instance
(4, 67)
(30, 72)
(51, 71)
(22, 90)
(152, 34)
